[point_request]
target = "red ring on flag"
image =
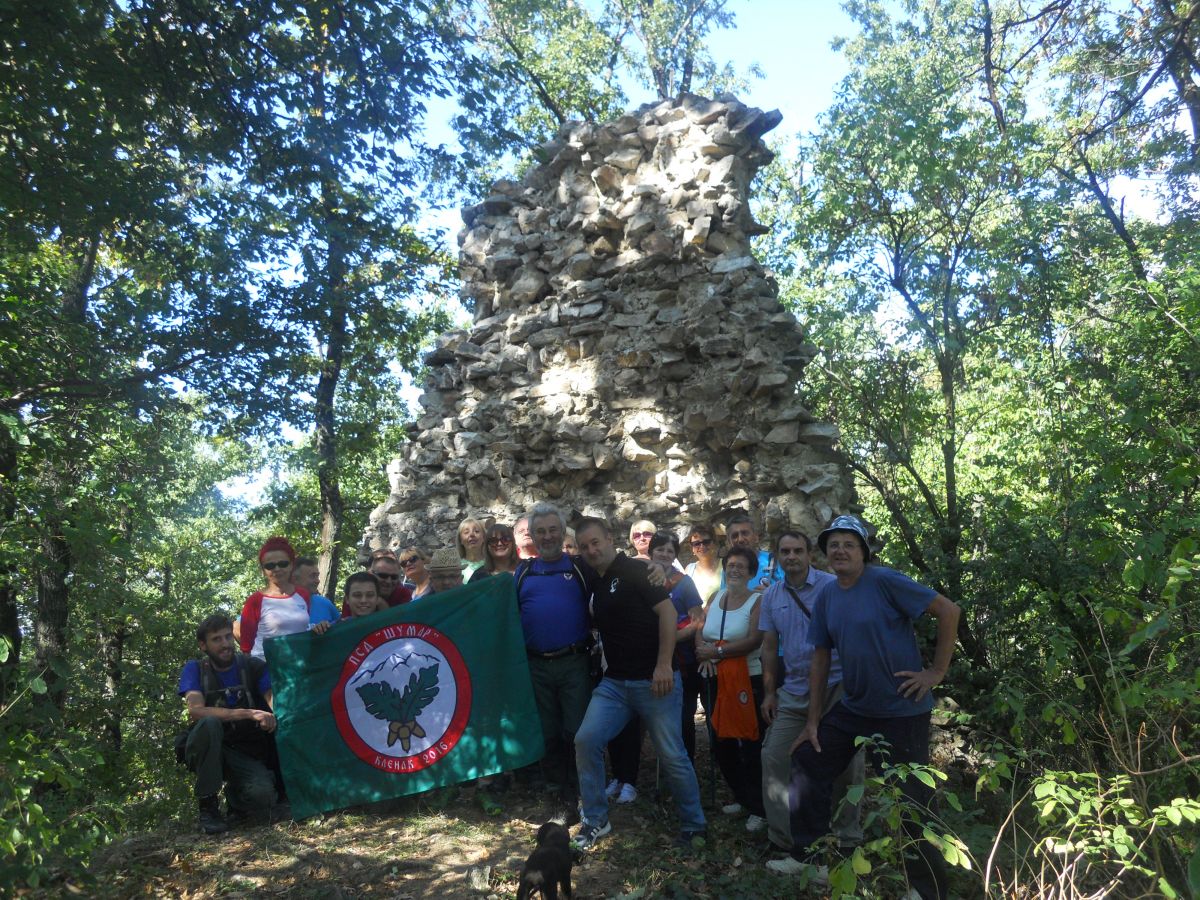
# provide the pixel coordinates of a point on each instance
(458, 722)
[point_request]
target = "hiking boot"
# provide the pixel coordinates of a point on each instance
(687, 839)
(211, 821)
(588, 834)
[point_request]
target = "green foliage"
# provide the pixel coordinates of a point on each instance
(1011, 359)
(49, 812)
(556, 62)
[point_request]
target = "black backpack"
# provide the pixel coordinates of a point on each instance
(524, 571)
(244, 735)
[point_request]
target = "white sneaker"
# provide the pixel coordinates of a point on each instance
(755, 823)
(731, 809)
(817, 875)
(614, 788)
(586, 837)
(628, 794)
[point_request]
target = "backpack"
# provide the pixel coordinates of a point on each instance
(246, 735)
(251, 669)
(524, 571)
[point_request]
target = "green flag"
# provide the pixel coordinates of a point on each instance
(424, 695)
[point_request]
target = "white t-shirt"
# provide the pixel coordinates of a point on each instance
(279, 616)
(737, 626)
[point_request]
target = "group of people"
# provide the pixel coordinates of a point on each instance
(792, 665)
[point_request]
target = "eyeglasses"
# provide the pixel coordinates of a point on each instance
(282, 564)
(701, 544)
(409, 561)
(390, 576)
(499, 540)
(643, 534)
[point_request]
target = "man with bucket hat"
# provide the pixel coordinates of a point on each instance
(867, 613)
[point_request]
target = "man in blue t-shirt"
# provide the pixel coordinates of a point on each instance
(306, 574)
(228, 697)
(739, 532)
(552, 600)
(867, 614)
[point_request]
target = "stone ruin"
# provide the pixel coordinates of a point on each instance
(629, 357)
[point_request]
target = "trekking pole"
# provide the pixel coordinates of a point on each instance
(712, 744)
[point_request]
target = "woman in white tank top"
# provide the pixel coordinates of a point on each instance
(732, 618)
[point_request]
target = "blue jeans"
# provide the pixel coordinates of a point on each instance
(613, 704)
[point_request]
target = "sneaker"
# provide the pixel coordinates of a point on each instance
(913, 894)
(687, 839)
(755, 823)
(628, 794)
(588, 834)
(789, 865)
(211, 821)
(614, 788)
(731, 809)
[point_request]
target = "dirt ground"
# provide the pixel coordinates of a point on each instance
(443, 846)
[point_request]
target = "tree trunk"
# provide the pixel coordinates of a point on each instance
(52, 611)
(112, 652)
(325, 414)
(10, 622)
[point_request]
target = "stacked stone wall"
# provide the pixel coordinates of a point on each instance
(629, 357)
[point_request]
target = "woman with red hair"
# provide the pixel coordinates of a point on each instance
(282, 608)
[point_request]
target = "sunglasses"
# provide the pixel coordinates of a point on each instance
(390, 576)
(409, 561)
(499, 540)
(642, 534)
(282, 564)
(701, 544)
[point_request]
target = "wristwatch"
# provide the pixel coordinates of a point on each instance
(720, 651)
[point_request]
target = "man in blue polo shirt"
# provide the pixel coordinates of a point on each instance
(552, 599)
(867, 613)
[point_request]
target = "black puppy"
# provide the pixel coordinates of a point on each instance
(549, 865)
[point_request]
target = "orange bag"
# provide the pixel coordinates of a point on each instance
(734, 715)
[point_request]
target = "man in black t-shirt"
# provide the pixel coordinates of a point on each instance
(636, 621)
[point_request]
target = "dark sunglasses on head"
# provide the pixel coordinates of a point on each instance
(408, 561)
(701, 543)
(282, 564)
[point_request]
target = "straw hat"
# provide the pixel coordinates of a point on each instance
(445, 560)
